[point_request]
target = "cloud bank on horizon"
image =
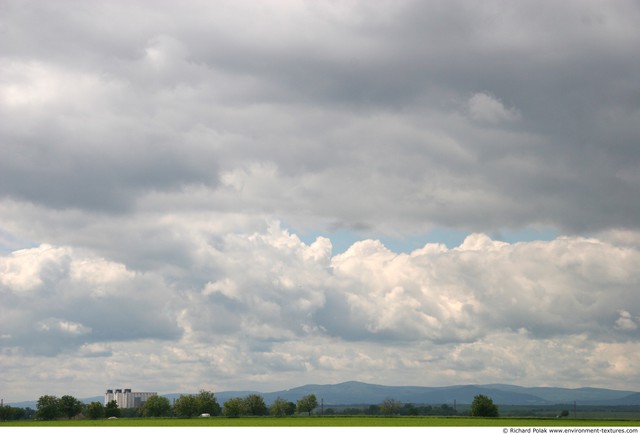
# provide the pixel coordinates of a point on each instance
(172, 177)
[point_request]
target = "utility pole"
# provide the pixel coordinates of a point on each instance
(575, 410)
(321, 406)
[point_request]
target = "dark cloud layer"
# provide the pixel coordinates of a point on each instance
(439, 101)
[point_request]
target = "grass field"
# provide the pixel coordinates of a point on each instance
(346, 421)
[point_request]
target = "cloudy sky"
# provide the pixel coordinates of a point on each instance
(259, 195)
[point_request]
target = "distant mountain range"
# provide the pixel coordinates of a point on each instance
(357, 393)
(354, 392)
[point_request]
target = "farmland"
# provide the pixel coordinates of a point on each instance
(315, 421)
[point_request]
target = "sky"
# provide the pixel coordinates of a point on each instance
(242, 195)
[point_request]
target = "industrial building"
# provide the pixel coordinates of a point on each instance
(125, 398)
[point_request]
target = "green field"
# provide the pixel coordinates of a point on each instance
(342, 421)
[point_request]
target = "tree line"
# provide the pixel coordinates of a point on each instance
(482, 406)
(395, 408)
(16, 413)
(205, 403)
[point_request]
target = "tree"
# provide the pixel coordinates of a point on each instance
(278, 407)
(373, 409)
(281, 407)
(447, 410)
(390, 406)
(353, 411)
(14, 413)
(234, 407)
(483, 406)
(307, 403)
(186, 406)
(8, 413)
(95, 410)
(255, 405)
(290, 409)
(207, 403)
(156, 406)
(410, 410)
(48, 407)
(111, 409)
(5, 413)
(70, 406)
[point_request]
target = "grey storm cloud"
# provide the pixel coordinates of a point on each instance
(161, 163)
(476, 116)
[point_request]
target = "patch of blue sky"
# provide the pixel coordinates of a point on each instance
(524, 235)
(342, 239)
(9, 243)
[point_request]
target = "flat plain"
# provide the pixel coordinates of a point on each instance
(315, 421)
